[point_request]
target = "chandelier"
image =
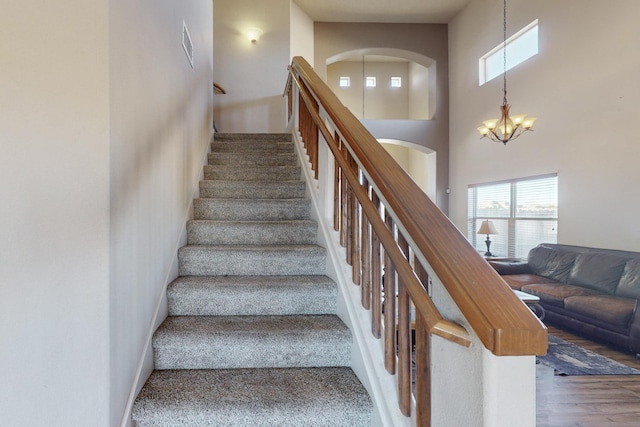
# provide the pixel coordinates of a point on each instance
(506, 127)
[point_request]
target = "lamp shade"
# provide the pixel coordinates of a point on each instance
(487, 227)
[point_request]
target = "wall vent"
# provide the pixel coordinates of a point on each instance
(187, 44)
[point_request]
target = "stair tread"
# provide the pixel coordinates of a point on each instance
(210, 232)
(255, 248)
(204, 281)
(240, 181)
(252, 147)
(256, 397)
(252, 173)
(252, 209)
(253, 167)
(254, 222)
(221, 342)
(226, 136)
(247, 159)
(303, 327)
(252, 189)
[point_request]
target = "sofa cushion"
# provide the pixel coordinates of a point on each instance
(603, 308)
(516, 266)
(553, 263)
(629, 285)
(517, 281)
(555, 293)
(597, 271)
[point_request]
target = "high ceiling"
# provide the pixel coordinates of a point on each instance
(408, 11)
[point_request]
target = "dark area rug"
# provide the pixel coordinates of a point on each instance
(570, 359)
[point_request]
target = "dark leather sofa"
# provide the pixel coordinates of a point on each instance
(593, 291)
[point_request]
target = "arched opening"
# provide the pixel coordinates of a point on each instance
(419, 162)
(379, 84)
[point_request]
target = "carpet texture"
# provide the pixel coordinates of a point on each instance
(252, 337)
(570, 359)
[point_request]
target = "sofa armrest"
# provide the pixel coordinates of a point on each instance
(634, 330)
(511, 266)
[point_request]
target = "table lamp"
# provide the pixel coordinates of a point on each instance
(487, 228)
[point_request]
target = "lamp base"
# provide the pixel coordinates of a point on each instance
(488, 242)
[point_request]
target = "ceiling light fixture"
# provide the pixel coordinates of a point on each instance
(505, 128)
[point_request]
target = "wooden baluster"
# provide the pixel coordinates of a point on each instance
(365, 255)
(423, 373)
(389, 307)
(336, 187)
(355, 236)
(404, 351)
(376, 272)
(313, 143)
(290, 99)
(349, 222)
(302, 118)
(343, 199)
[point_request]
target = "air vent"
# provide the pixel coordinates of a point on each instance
(187, 44)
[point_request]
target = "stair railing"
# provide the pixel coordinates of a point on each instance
(400, 245)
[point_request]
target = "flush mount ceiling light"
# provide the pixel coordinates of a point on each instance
(253, 34)
(505, 128)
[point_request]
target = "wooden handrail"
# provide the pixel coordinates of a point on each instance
(218, 89)
(423, 303)
(496, 315)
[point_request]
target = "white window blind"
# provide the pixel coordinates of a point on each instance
(524, 211)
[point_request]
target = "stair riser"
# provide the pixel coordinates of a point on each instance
(252, 147)
(282, 354)
(250, 190)
(252, 210)
(242, 137)
(249, 159)
(238, 261)
(253, 397)
(261, 173)
(251, 233)
(251, 342)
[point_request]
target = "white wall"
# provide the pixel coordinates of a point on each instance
(54, 173)
(417, 161)
(104, 131)
(420, 96)
(161, 115)
(380, 102)
(301, 36)
(584, 88)
(254, 75)
(415, 42)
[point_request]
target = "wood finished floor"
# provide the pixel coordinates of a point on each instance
(588, 401)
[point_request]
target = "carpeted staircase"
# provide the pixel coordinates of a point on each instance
(252, 338)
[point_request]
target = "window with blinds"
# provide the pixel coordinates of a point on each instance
(524, 211)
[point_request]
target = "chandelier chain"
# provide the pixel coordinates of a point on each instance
(504, 52)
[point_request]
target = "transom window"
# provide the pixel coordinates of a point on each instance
(520, 47)
(524, 211)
